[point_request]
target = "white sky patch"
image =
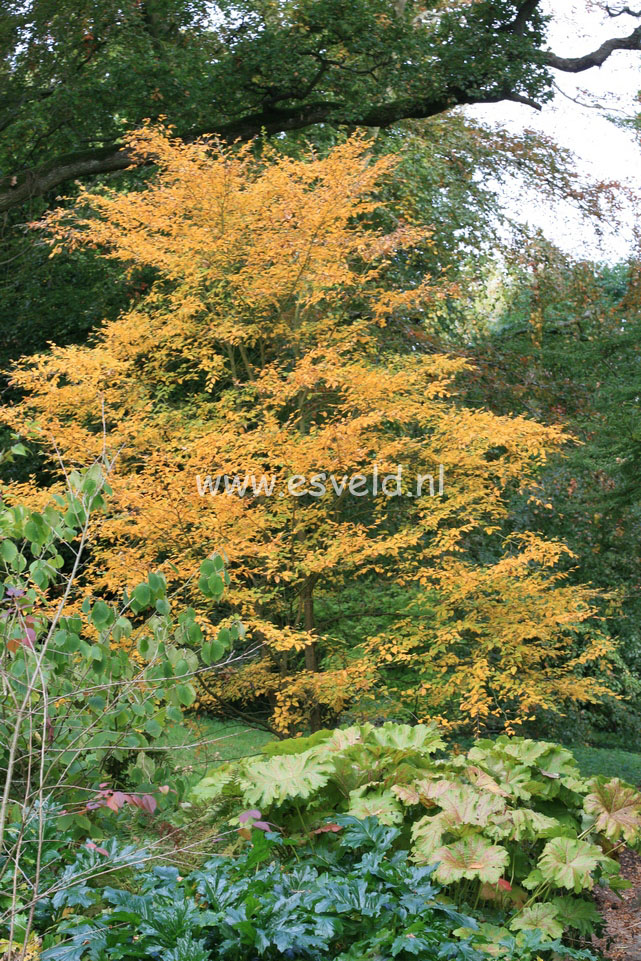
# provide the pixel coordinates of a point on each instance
(603, 151)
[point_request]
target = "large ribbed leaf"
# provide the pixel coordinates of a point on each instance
(569, 863)
(467, 805)
(539, 917)
(424, 791)
(344, 738)
(616, 808)
(382, 805)
(427, 837)
(471, 857)
(423, 738)
(578, 914)
(290, 776)
(529, 825)
(482, 779)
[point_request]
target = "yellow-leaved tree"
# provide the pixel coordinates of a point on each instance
(270, 345)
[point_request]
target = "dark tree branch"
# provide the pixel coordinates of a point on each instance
(110, 159)
(22, 185)
(522, 18)
(623, 10)
(597, 57)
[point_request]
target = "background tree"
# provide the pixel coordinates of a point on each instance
(239, 68)
(558, 340)
(269, 345)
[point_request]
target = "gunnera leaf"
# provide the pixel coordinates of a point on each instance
(542, 917)
(569, 863)
(617, 809)
(382, 805)
(471, 857)
(467, 805)
(423, 738)
(576, 913)
(427, 837)
(282, 778)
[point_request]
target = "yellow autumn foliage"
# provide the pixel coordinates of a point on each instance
(270, 342)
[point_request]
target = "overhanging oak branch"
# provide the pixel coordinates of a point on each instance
(598, 57)
(112, 158)
(20, 187)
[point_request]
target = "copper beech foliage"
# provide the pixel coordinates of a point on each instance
(269, 341)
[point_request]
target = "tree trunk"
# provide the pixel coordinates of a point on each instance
(311, 651)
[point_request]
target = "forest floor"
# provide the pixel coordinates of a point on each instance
(622, 936)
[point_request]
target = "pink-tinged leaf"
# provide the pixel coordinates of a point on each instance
(29, 638)
(333, 828)
(262, 825)
(164, 789)
(94, 847)
(119, 799)
(502, 883)
(248, 816)
(104, 784)
(136, 801)
(112, 804)
(149, 803)
(93, 805)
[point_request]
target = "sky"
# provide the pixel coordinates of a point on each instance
(603, 151)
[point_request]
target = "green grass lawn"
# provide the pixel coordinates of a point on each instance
(612, 762)
(200, 742)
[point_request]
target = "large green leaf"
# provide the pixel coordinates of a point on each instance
(344, 738)
(514, 778)
(524, 750)
(467, 805)
(427, 837)
(530, 825)
(471, 857)
(281, 778)
(382, 805)
(569, 863)
(578, 914)
(425, 791)
(616, 808)
(482, 779)
(542, 917)
(423, 738)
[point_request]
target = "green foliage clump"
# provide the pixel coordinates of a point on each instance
(89, 686)
(352, 896)
(511, 825)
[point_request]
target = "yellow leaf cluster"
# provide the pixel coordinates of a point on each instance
(268, 345)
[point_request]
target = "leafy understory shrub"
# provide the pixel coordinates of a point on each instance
(88, 687)
(511, 825)
(352, 896)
